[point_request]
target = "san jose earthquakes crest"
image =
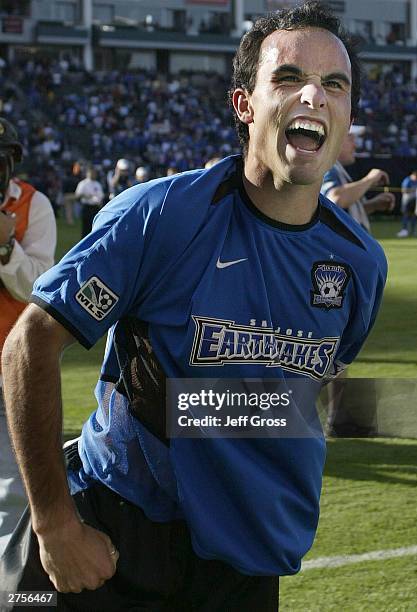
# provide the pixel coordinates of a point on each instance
(329, 280)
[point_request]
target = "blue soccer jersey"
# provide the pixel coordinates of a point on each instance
(409, 183)
(225, 292)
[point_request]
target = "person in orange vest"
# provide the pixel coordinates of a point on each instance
(27, 247)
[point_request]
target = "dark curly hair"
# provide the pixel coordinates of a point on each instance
(311, 14)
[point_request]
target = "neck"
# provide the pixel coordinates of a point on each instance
(283, 202)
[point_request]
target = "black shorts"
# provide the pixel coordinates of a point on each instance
(157, 569)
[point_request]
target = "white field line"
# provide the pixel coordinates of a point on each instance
(377, 555)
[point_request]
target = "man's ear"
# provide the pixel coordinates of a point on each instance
(242, 106)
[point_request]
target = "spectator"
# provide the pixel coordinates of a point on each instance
(91, 195)
(70, 183)
(408, 205)
(27, 246)
(348, 194)
(141, 174)
(120, 180)
(339, 187)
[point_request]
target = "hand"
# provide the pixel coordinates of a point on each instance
(378, 177)
(77, 557)
(7, 226)
(381, 202)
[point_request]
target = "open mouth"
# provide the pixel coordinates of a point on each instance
(305, 136)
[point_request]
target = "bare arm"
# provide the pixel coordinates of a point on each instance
(383, 202)
(349, 193)
(74, 555)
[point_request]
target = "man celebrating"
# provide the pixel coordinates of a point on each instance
(27, 246)
(247, 246)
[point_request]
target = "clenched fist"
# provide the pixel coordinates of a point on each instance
(378, 177)
(77, 557)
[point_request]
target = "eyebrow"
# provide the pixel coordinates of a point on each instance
(293, 69)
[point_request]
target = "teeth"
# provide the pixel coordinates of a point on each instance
(306, 125)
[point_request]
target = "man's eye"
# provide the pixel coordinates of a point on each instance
(333, 84)
(290, 77)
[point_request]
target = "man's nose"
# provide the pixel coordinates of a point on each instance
(313, 95)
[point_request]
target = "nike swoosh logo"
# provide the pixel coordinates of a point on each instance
(226, 264)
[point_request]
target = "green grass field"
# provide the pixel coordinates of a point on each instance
(368, 504)
(391, 349)
(369, 499)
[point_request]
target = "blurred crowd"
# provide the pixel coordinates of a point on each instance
(68, 119)
(66, 115)
(388, 106)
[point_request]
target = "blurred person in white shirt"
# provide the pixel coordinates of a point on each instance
(90, 194)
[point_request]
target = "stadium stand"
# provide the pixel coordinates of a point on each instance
(388, 111)
(65, 114)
